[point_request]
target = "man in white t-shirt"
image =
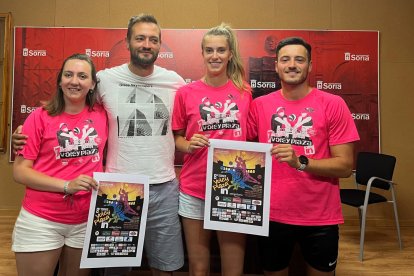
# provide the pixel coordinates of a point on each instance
(138, 97)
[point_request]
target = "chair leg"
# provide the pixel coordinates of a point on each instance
(397, 224)
(362, 238)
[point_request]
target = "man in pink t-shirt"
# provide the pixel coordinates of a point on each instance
(313, 134)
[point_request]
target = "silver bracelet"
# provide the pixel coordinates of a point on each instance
(65, 188)
(67, 194)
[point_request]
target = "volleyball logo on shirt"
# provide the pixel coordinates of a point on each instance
(219, 115)
(77, 142)
(292, 128)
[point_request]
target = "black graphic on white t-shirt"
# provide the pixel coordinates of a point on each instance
(218, 115)
(145, 114)
(292, 128)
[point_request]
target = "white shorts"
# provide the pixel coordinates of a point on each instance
(32, 233)
(191, 207)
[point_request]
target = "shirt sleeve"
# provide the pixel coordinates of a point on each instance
(342, 127)
(33, 127)
(179, 120)
(252, 123)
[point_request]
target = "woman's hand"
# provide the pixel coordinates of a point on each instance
(81, 183)
(197, 141)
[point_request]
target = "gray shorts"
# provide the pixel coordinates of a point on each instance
(163, 243)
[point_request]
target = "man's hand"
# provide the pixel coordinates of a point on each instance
(286, 153)
(18, 139)
(339, 164)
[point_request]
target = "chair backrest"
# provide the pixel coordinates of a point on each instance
(371, 164)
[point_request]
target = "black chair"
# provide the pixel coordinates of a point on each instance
(374, 170)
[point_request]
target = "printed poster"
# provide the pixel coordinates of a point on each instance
(117, 218)
(238, 187)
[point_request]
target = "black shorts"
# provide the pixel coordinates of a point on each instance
(318, 244)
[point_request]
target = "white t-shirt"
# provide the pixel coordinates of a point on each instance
(139, 111)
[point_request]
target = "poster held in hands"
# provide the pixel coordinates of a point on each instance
(117, 219)
(238, 187)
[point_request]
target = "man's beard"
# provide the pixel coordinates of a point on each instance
(301, 80)
(137, 61)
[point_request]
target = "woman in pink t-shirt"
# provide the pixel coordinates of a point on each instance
(65, 142)
(216, 106)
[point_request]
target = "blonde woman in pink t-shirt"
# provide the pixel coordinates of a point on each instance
(216, 106)
(56, 166)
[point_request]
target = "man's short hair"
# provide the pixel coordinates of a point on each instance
(146, 18)
(294, 41)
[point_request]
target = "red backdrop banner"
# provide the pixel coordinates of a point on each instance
(344, 63)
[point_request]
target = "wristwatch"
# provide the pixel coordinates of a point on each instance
(304, 161)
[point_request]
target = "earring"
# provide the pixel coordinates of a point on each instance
(90, 91)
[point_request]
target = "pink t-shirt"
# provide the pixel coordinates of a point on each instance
(218, 113)
(64, 146)
(311, 125)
